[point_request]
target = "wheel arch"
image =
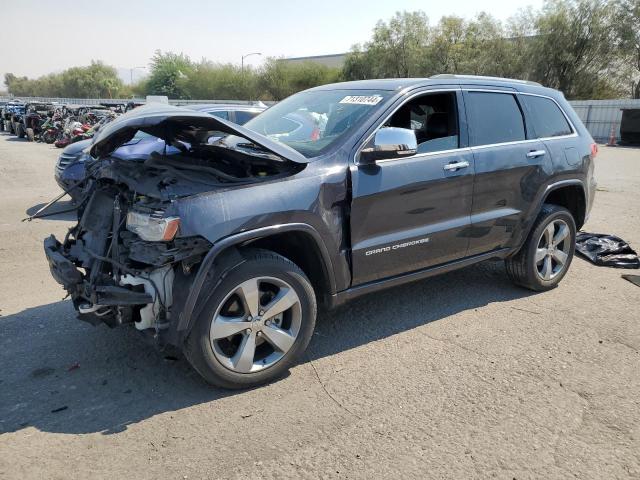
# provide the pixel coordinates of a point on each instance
(303, 249)
(276, 238)
(571, 195)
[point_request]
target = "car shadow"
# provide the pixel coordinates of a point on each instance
(64, 376)
(61, 206)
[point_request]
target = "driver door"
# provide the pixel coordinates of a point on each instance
(413, 213)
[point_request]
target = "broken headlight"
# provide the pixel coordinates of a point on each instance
(152, 228)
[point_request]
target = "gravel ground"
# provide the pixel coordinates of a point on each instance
(459, 376)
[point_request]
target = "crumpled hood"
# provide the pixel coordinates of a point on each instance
(177, 123)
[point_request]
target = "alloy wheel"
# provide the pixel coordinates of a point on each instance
(256, 324)
(553, 249)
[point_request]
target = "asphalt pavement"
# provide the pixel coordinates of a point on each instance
(459, 376)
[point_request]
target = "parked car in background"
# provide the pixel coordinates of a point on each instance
(3, 104)
(225, 248)
(70, 167)
(10, 113)
(235, 113)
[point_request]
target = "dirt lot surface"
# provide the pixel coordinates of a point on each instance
(460, 376)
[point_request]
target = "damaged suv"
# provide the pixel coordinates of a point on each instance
(225, 245)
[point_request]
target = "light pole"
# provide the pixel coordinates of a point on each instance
(245, 56)
(131, 72)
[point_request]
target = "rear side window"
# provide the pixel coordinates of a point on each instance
(494, 118)
(220, 114)
(243, 117)
(548, 120)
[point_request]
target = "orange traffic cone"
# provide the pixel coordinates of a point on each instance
(612, 137)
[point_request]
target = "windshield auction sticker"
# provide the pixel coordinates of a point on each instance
(362, 99)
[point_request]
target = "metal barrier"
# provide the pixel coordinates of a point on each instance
(599, 116)
(603, 117)
(99, 101)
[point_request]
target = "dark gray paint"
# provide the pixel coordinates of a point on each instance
(483, 211)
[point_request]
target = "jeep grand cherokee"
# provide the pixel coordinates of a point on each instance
(225, 245)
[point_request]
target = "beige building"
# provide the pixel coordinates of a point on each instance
(335, 60)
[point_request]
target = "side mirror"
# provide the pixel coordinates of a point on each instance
(389, 143)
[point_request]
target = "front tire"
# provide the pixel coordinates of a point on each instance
(257, 322)
(31, 135)
(546, 255)
(19, 129)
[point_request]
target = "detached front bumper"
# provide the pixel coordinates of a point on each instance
(94, 302)
(62, 269)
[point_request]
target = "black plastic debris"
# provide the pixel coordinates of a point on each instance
(635, 279)
(606, 250)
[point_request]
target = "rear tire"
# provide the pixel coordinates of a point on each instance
(31, 135)
(546, 255)
(274, 342)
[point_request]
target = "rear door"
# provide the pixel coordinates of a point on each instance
(551, 125)
(412, 213)
(509, 164)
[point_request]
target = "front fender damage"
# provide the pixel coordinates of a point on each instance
(118, 275)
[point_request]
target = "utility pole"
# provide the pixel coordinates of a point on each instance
(245, 56)
(131, 73)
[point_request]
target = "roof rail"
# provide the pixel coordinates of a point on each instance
(482, 77)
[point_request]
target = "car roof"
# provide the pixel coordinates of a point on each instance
(398, 84)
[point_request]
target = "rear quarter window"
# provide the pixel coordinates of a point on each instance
(243, 116)
(546, 117)
(494, 118)
(220, 114)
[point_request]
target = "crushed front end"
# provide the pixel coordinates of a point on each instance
(118, 263)
(130, 257)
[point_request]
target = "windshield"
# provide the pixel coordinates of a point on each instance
(313, 121)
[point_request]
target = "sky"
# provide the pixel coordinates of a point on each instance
(57, 35)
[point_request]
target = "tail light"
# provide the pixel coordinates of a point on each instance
(594, 150)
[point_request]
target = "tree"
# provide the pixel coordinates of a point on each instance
(94, 81)
(574, 43)
(221, 81)
(168, 72)
(279, 79)
(396, 49)
(627, 22)
(358, 65)
(407, 46)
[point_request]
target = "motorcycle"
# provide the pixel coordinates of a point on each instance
(52, 129)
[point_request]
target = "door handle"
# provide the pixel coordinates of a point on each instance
(536, 153)
(455, 166)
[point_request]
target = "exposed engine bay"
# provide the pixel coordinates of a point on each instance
(121, 261)
(111, 273)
